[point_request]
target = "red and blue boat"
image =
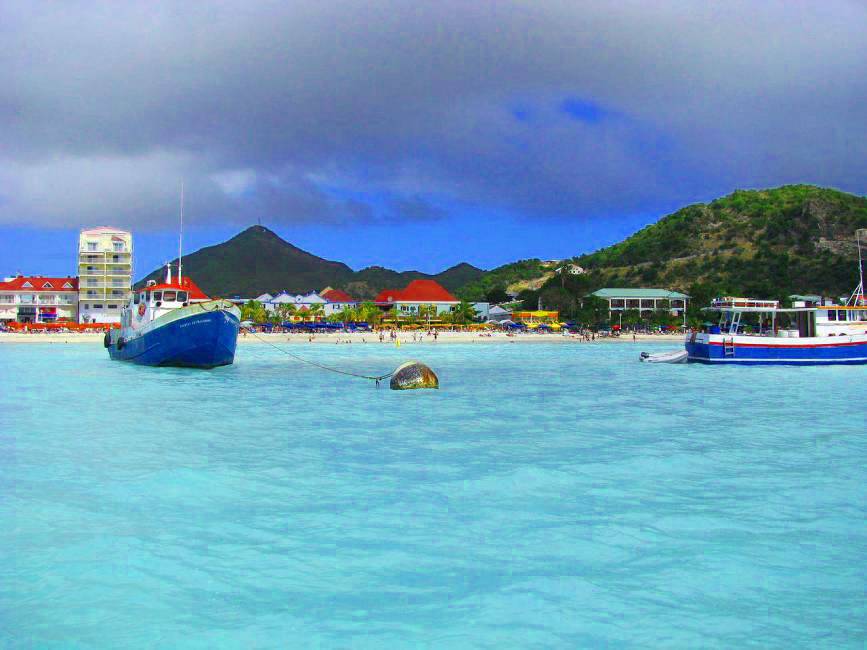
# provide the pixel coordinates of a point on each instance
(811, 334)
(175, 324)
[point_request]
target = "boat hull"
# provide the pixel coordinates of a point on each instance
(751, 350)
(199, 340)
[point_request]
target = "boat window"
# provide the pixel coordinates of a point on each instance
(832, 314)
(135, 298)
(158, 295)
(170, 296)
(841, 315)
(863, 315)
(182, 296)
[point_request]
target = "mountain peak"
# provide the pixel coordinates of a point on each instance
(258, 230)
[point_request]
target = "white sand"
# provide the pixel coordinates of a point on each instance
(333, 338)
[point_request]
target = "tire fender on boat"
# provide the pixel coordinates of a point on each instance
(120, 343)
(106, 341)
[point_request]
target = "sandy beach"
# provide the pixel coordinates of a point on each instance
(405, 338)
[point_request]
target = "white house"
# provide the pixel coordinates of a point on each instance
(337, 301)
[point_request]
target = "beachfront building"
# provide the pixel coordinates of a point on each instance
(482, 309)
(644, 301)
(499, 314)
(418, 295)
(301, 301)
(105, 274)
(36, 299)
(337, 301)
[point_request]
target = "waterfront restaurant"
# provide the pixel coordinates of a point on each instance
(36, 299)
(643, 300)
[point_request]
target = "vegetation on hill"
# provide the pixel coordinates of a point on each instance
(501, 278)
(765, 243)
(794, 239)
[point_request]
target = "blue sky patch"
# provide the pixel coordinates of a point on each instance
(583, 111)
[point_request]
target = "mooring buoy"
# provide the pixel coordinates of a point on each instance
(413, 374)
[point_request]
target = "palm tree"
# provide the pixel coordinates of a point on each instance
(316, 311)
(254, 311)
(464, 312)
(426, 312)
(368, 312)
(286, 311)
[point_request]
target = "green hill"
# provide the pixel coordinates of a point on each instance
(765, 243)
(503, 277)
(258, 260)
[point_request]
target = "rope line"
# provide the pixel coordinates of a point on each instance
(376, 378)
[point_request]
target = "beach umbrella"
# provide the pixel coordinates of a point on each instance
(246, 323)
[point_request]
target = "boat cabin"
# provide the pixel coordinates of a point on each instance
(800, 321)
(155, 300)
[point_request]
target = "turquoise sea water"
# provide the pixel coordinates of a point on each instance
(546, 496)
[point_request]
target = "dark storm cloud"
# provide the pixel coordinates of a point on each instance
(292, 111)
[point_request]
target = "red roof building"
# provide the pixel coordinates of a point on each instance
(38, 299)
(39, 283)
(418, 293)
(336, 295)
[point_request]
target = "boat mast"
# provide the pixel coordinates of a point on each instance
(858, 295)
(181, 238)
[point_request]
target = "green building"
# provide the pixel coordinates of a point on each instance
(643, 300)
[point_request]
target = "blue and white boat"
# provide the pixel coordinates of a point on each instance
(175, 324)
(816, 334)
(809, 333)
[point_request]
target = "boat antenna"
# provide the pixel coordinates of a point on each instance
(181, 238)
(857, 296)
(860, 289)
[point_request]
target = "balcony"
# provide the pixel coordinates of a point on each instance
(91, 293)
(102, 254)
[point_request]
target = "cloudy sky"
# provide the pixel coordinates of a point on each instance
(413, 134)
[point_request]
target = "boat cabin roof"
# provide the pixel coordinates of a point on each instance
(186, 284)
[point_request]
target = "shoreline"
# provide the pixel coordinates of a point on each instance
(334, 338)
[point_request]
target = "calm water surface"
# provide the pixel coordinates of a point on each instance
(546, 496)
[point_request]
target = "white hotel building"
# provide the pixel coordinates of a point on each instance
(105, 274)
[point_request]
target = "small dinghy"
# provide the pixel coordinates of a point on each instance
(675, 356)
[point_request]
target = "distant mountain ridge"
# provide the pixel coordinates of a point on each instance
(765, 243)
(257, 261)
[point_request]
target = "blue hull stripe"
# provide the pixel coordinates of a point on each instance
(199, 341)
(788, 355)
